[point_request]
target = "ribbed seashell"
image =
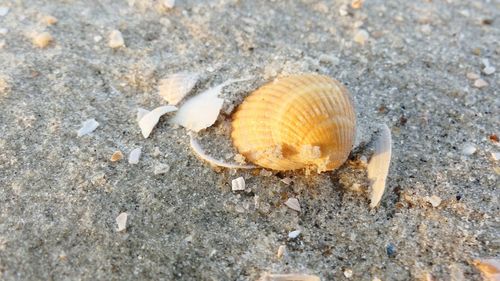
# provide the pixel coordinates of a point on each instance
(176, 86)
(300, 121)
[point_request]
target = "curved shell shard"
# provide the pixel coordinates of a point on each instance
(300, 121)
(176, 86)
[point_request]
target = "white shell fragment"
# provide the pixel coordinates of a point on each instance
(293, 204)
(378, 167)
(288, 277)
(286, 181)
(161, 169)
(176, 86)
(468, 149)
(169, 4)
(480, 83)
(238, 184)
(88, 127)
(489, 70)
(495, 156)
(121, 221)
(361, 37)
(198, 150)
(434, 200)
(3, 11)
(141, 112)
(201, 111)
(294, 234)
(133, 157)
(149, 121)
(116, 39)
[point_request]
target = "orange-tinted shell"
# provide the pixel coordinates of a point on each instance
(295, 122)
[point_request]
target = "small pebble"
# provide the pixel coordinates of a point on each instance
(42, 40)
(473, 76)
(161, 169)
(3, 31)
(97, 38)
(390, 250)
(468, 149)
(495, 155)
(121, 221)
(434, 200)
(116, 39)
(88, 126)
(3, 11)
(361, 37)
(489, 70)
(49, 20)
(238, 184)
(294, 234)
(348, 273)
(133, 157)
(117, 156)
(169, 4)
(480, 83)
(293, 204)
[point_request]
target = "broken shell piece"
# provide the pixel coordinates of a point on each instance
(198, 150)
(434, 200)
(472, 76)
(287, 181)
(201, 111)
(357, 4)
(238, 184)
(489, 70)
(88, 127)
(378, 167)
(149, 121)
(361, 37)
(133, 157)
(42, 40)
(469, 149)
(169, 4)
(161, 169)
(116, 39)
(294, 234)
(176, 86)
(121, 221)
(141, 112)
(293, 204)
(480, 83)
(288, 277)
(4, 11)
(281, 251)
(49, 20)
(490, 268)
(117, 156)
(495, 156)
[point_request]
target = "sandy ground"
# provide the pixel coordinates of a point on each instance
(60, 194)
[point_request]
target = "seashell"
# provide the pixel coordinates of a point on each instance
(378, 167)
(293, 203)
(202, 110)
(176, 86)
(150, 119)
(300, 121)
